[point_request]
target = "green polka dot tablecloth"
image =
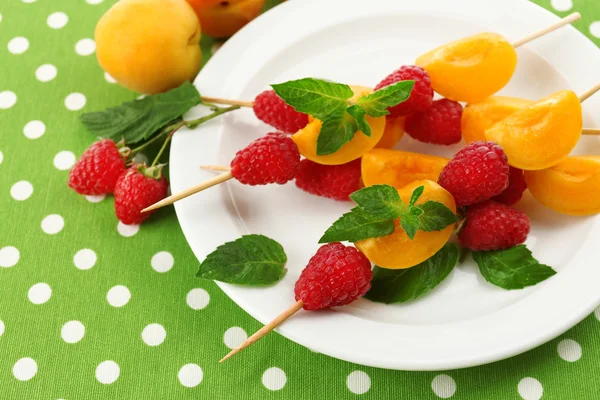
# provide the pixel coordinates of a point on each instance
(93, 309)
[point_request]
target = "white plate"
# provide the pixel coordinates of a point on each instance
(465, 321)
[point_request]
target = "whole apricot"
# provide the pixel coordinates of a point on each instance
(149, 46)
(541, 134)
(399, 168)
(398, 251)
(394, 130)
(306, 138)
(570, 187)
(221, 18)
(478, 117)
(472, 68)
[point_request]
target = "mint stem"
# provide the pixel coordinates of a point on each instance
(195, 122)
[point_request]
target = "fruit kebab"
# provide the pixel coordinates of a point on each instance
(476, 67)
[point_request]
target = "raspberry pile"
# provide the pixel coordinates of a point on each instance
(438, 124)
(332, 181)
(272, 110)
(335, 276)
(421, 96)
(516, 187)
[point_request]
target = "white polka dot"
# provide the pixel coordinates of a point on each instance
(1, 157)
(109, 78)
(197, 299)
(530, 389)
(18, 45)
(64, 160)
(1, 328)
(140, 158)
(25, 369)
(53, 224)
(595, 29)
(21, 190)
(358, 382)
(274, 378)
(72, 331)
(95, 199)
(9, 256)
(127, 230)
(85, 259)
(85, 47)
(107, 372)
(162, 261)
(597, 313)
(75, 101)
(34, 129)
(562, 5)
(154, 334)
(7, 99)
(94, 1)
(569, 350)
(443, 386)
(39, 293)
(0, 17)
(57, 20)
(118, 296)
(28, 1)
(235, 336)
(45, 72)
(190, 375)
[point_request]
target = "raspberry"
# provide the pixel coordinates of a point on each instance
(271, 109)
(97, 170)
(516, 186)
(137, 188)
(421, 96)
(439, 124)
(477, 172)
(333, 181)
(336, 275)
(493, 226)
(273, 158)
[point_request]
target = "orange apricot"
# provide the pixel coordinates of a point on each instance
(472, 68)
(224, 18)
(398, 251)
(394, 130)
(570, 187)
(541, 134)
(478, 117)
(306, 138)
(399, 168)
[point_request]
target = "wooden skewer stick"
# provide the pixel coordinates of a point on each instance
(266, 329)
(225, 176)
(565, 21)
(222, 168)
(217, 100)
(585, 95)
(590, 131)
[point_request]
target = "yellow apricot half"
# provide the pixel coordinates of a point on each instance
(394, 130)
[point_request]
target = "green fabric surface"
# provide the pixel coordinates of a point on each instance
(39, 257)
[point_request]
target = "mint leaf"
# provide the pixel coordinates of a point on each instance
(380, 200)
(416, 194)
(137, 120)
(436, 216)
(410, 221)
(400, 285)
(249, 260)
(357, 225)
(359, 115)
(317, 97)
(377, 103)
(514, 268)
(336, 130)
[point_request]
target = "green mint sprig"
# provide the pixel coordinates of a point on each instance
(331, 103)
(377, 208)
(249, 260)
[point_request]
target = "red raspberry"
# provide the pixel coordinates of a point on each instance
(516, 186)
(334, 181)
(273, 158)
(271, 109)
(476, 173)
(421, 96)
(493, 226)
(137, 188)
(97, 170)
(336, 275)
(439, 124)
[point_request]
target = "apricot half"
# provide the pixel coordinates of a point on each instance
(221, 18)
(472, 68)
(398, 251)
(399, 168)
(541, 134)
(306, 138)
(394, 130)
(478, 117)
(570, 187)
